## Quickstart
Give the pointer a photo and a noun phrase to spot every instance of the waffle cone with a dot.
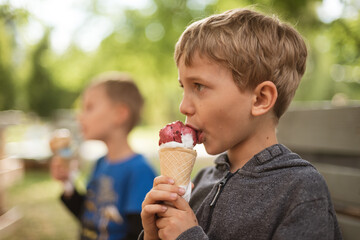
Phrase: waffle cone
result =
(177, 163)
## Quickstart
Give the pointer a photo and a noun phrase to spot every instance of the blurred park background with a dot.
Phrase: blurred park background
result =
(50, 50)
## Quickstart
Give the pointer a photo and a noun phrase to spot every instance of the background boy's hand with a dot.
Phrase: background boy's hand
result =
(58, 169)
(175, 220)
(163, 190)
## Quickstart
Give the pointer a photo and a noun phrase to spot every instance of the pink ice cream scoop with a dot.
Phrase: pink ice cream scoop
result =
(178, 132)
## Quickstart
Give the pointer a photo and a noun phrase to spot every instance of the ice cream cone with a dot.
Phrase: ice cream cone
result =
(177, 163)
(60, 146)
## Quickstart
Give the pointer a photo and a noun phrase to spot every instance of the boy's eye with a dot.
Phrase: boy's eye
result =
(198, 86)
(181, 85)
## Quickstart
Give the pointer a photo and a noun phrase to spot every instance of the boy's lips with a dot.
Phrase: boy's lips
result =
(199, 133)
(200, 137)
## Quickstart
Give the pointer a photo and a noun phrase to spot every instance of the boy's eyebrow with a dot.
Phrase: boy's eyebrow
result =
(195, 78)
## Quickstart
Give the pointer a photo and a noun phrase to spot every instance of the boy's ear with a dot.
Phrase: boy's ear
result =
(265, 95)
(122, 113)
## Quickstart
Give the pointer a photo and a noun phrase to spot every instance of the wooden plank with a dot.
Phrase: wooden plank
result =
(350, 227)
(9, 177)
(2, 202)
(11, 170)
(8, 222)
(330, 139)
(8, 118)
(343, 184)
(2, 142)
(334, 130)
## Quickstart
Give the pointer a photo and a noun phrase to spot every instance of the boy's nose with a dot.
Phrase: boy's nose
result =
(186, 106)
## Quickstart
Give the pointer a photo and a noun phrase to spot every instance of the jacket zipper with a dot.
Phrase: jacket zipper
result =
(212, 204)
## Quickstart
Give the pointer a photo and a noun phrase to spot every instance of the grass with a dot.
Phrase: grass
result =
(44, 216)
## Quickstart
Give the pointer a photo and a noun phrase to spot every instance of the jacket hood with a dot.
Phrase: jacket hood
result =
(270, 159)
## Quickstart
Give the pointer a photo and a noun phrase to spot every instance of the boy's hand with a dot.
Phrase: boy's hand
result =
(58, 169)
(163, 190)
(176, 220)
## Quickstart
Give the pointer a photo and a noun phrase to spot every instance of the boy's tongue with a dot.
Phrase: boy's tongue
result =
(178, 132)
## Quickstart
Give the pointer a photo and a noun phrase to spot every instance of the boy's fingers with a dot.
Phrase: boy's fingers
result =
(181, 204)
(163, 180)
(162, 223)
(152, 209)
(155, 196)
(170, 211)
(178, 205)
(170, 188)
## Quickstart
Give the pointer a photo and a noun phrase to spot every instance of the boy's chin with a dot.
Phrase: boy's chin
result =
(212, 150)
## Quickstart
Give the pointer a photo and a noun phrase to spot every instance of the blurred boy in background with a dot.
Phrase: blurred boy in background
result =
(120, 180)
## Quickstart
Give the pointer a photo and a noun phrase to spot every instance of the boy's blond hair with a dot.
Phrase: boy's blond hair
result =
(255, 47)
(121, 88)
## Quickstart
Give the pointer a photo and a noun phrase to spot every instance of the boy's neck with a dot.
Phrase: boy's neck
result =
(240, 154)
(118, 148)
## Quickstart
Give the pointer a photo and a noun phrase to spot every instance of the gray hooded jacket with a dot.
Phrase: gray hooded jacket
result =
(275, 195)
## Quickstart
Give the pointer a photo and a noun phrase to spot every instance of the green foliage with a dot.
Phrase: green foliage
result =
(7, 88)
(142, 43)
(41, 90)
(146, 54)
(44, 97)
(346, 36)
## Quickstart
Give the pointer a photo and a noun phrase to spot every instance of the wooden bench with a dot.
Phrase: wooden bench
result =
(11, 171)
(330, 139)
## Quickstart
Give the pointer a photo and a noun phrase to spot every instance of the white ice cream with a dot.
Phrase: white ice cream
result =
(187, 142)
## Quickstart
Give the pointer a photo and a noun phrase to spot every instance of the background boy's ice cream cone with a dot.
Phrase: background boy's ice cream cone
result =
(60, 145)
